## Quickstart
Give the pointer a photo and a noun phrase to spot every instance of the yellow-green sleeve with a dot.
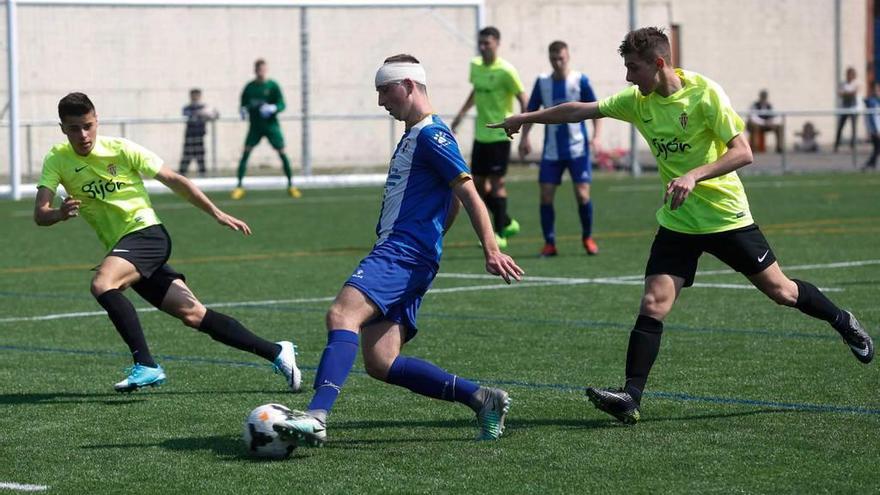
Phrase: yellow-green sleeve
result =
(143, 160)
(50, 178)
(516, 85)
(620, 106)
(725, 122)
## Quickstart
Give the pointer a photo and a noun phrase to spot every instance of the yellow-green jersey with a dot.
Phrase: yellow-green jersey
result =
(107, 182)
(495, 87)
(685, 130)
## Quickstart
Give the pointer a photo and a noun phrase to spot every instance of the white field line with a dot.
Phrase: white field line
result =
(6, 485)
(531, 282)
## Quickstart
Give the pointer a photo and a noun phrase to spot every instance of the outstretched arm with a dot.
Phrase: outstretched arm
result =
(45, 215)
(497, 263)
(560, 114)
(185, 188)
(468, 103)
(738, 155)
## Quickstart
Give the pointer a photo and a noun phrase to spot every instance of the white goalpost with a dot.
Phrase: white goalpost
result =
(306, 118)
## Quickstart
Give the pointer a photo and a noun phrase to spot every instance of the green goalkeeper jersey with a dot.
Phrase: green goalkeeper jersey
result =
(256, 94)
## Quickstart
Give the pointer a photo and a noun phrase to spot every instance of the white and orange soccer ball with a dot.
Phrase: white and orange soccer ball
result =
(261, 439)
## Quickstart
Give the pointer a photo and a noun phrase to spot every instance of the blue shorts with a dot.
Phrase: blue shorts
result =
(581, 170)
(395, 283)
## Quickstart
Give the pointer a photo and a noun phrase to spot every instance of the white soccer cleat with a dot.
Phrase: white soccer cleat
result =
(496, 405)
(285, 364)
(304, 427)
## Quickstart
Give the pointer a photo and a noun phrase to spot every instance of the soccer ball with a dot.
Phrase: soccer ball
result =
(261, 439)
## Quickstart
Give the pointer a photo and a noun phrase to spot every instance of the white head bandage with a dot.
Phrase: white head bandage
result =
(398, 71)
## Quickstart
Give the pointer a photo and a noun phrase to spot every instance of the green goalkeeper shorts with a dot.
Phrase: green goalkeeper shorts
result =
(272, 132)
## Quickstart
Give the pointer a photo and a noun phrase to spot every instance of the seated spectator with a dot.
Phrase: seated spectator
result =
(808, 136)
(761, 121)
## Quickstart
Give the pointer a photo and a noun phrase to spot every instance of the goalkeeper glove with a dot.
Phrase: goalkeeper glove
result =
(267, 110)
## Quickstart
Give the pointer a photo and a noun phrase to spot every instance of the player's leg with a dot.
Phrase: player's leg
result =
(185, 157)
(811, 301)
(581, 170)
(505, 225)
(167, 290)
(199, 154)
(660, 294)
(112, 277)
(549, 178)
(276, 138)
(344, 319)
(381, 343)
(841, 122)
(482, 159)
(136, 256)
(747, 251)
(253, 137)
(548, 217)
(671, 266)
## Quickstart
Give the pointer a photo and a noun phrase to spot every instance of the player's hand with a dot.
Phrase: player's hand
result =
(498, 263)
(243, 111)
(510, 125)
(679, 189)
(267, 110)
(69, 208)
(233, 223)
(525, 148)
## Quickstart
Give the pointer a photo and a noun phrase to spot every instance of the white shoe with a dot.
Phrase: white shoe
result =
(304, 427)
(285, 364)
(496, 405)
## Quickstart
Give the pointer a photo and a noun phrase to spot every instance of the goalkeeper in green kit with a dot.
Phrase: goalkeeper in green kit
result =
(262, 101)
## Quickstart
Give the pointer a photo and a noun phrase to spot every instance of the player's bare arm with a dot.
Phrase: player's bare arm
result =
(45, 215)
(185, 188)
(738, 155)
(468, 103)
(560, 114)
(497, 263)
(525, 148)
(451, 214)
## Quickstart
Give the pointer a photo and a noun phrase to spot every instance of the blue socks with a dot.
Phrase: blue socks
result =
(336, 362)
(586, 213)
(548, 218)
(427, 379)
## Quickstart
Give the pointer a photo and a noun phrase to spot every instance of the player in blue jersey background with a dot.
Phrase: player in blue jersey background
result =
(566, 146)
(377, 306)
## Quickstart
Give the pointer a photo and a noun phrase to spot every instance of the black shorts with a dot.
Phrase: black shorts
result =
(148, 250)
(746, 250)
(490, 158)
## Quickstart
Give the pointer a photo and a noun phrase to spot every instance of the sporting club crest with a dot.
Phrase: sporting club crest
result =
(112, 169)
(683, 120)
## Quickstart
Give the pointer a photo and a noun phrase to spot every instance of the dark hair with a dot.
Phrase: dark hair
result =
(401, 57)
(491, 31)
(646, 43)
(557, 46)
(75, 105)
(195, 91)
(259, 62)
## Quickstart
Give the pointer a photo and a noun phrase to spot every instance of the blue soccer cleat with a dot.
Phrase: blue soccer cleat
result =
(285, 364)
(140, 376)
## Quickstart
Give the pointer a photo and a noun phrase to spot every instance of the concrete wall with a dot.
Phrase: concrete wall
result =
(141, 62)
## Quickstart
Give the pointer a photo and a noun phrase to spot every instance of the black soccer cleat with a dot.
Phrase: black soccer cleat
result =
(615, 402)
(857, 338)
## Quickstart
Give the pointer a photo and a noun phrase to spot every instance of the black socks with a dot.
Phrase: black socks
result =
(229, 331)
(125, 319)
(644, 344)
